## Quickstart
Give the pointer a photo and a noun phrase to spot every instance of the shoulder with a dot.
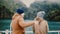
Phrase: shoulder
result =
(46, 22)
(20, 18)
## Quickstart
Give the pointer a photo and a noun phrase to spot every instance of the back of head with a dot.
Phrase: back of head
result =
(41, 14)
(18, 12)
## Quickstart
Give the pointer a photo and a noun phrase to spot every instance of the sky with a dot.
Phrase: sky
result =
(28, 2)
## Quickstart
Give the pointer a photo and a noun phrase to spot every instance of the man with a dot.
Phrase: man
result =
(42, 26)
(18, 23)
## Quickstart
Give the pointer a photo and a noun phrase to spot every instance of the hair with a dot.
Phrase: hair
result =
(41, 14)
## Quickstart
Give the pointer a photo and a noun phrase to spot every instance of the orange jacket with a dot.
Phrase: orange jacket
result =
(18, 24)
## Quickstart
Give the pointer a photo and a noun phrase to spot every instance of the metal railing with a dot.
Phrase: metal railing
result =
(7, 32)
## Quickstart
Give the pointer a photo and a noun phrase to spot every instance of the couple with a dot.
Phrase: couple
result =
(40, 26)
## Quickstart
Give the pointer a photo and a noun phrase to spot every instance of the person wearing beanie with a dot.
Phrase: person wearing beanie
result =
(18, 23)
(42, 26)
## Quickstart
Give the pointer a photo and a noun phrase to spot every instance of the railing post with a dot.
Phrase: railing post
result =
(0, 33)
(58, 32)
(6, 32)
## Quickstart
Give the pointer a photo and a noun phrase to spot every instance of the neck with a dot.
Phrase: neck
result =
(41, 19)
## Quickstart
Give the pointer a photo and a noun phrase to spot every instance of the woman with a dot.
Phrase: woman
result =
(18, 23)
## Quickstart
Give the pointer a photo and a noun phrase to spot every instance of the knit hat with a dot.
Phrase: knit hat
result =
(20, 11)
(41, 14)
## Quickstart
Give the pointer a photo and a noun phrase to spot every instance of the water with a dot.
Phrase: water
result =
(5, 24)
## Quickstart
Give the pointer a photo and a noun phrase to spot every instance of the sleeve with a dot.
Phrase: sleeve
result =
(23, 24)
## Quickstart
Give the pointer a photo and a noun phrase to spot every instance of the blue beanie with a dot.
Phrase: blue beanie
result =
(19, 11)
